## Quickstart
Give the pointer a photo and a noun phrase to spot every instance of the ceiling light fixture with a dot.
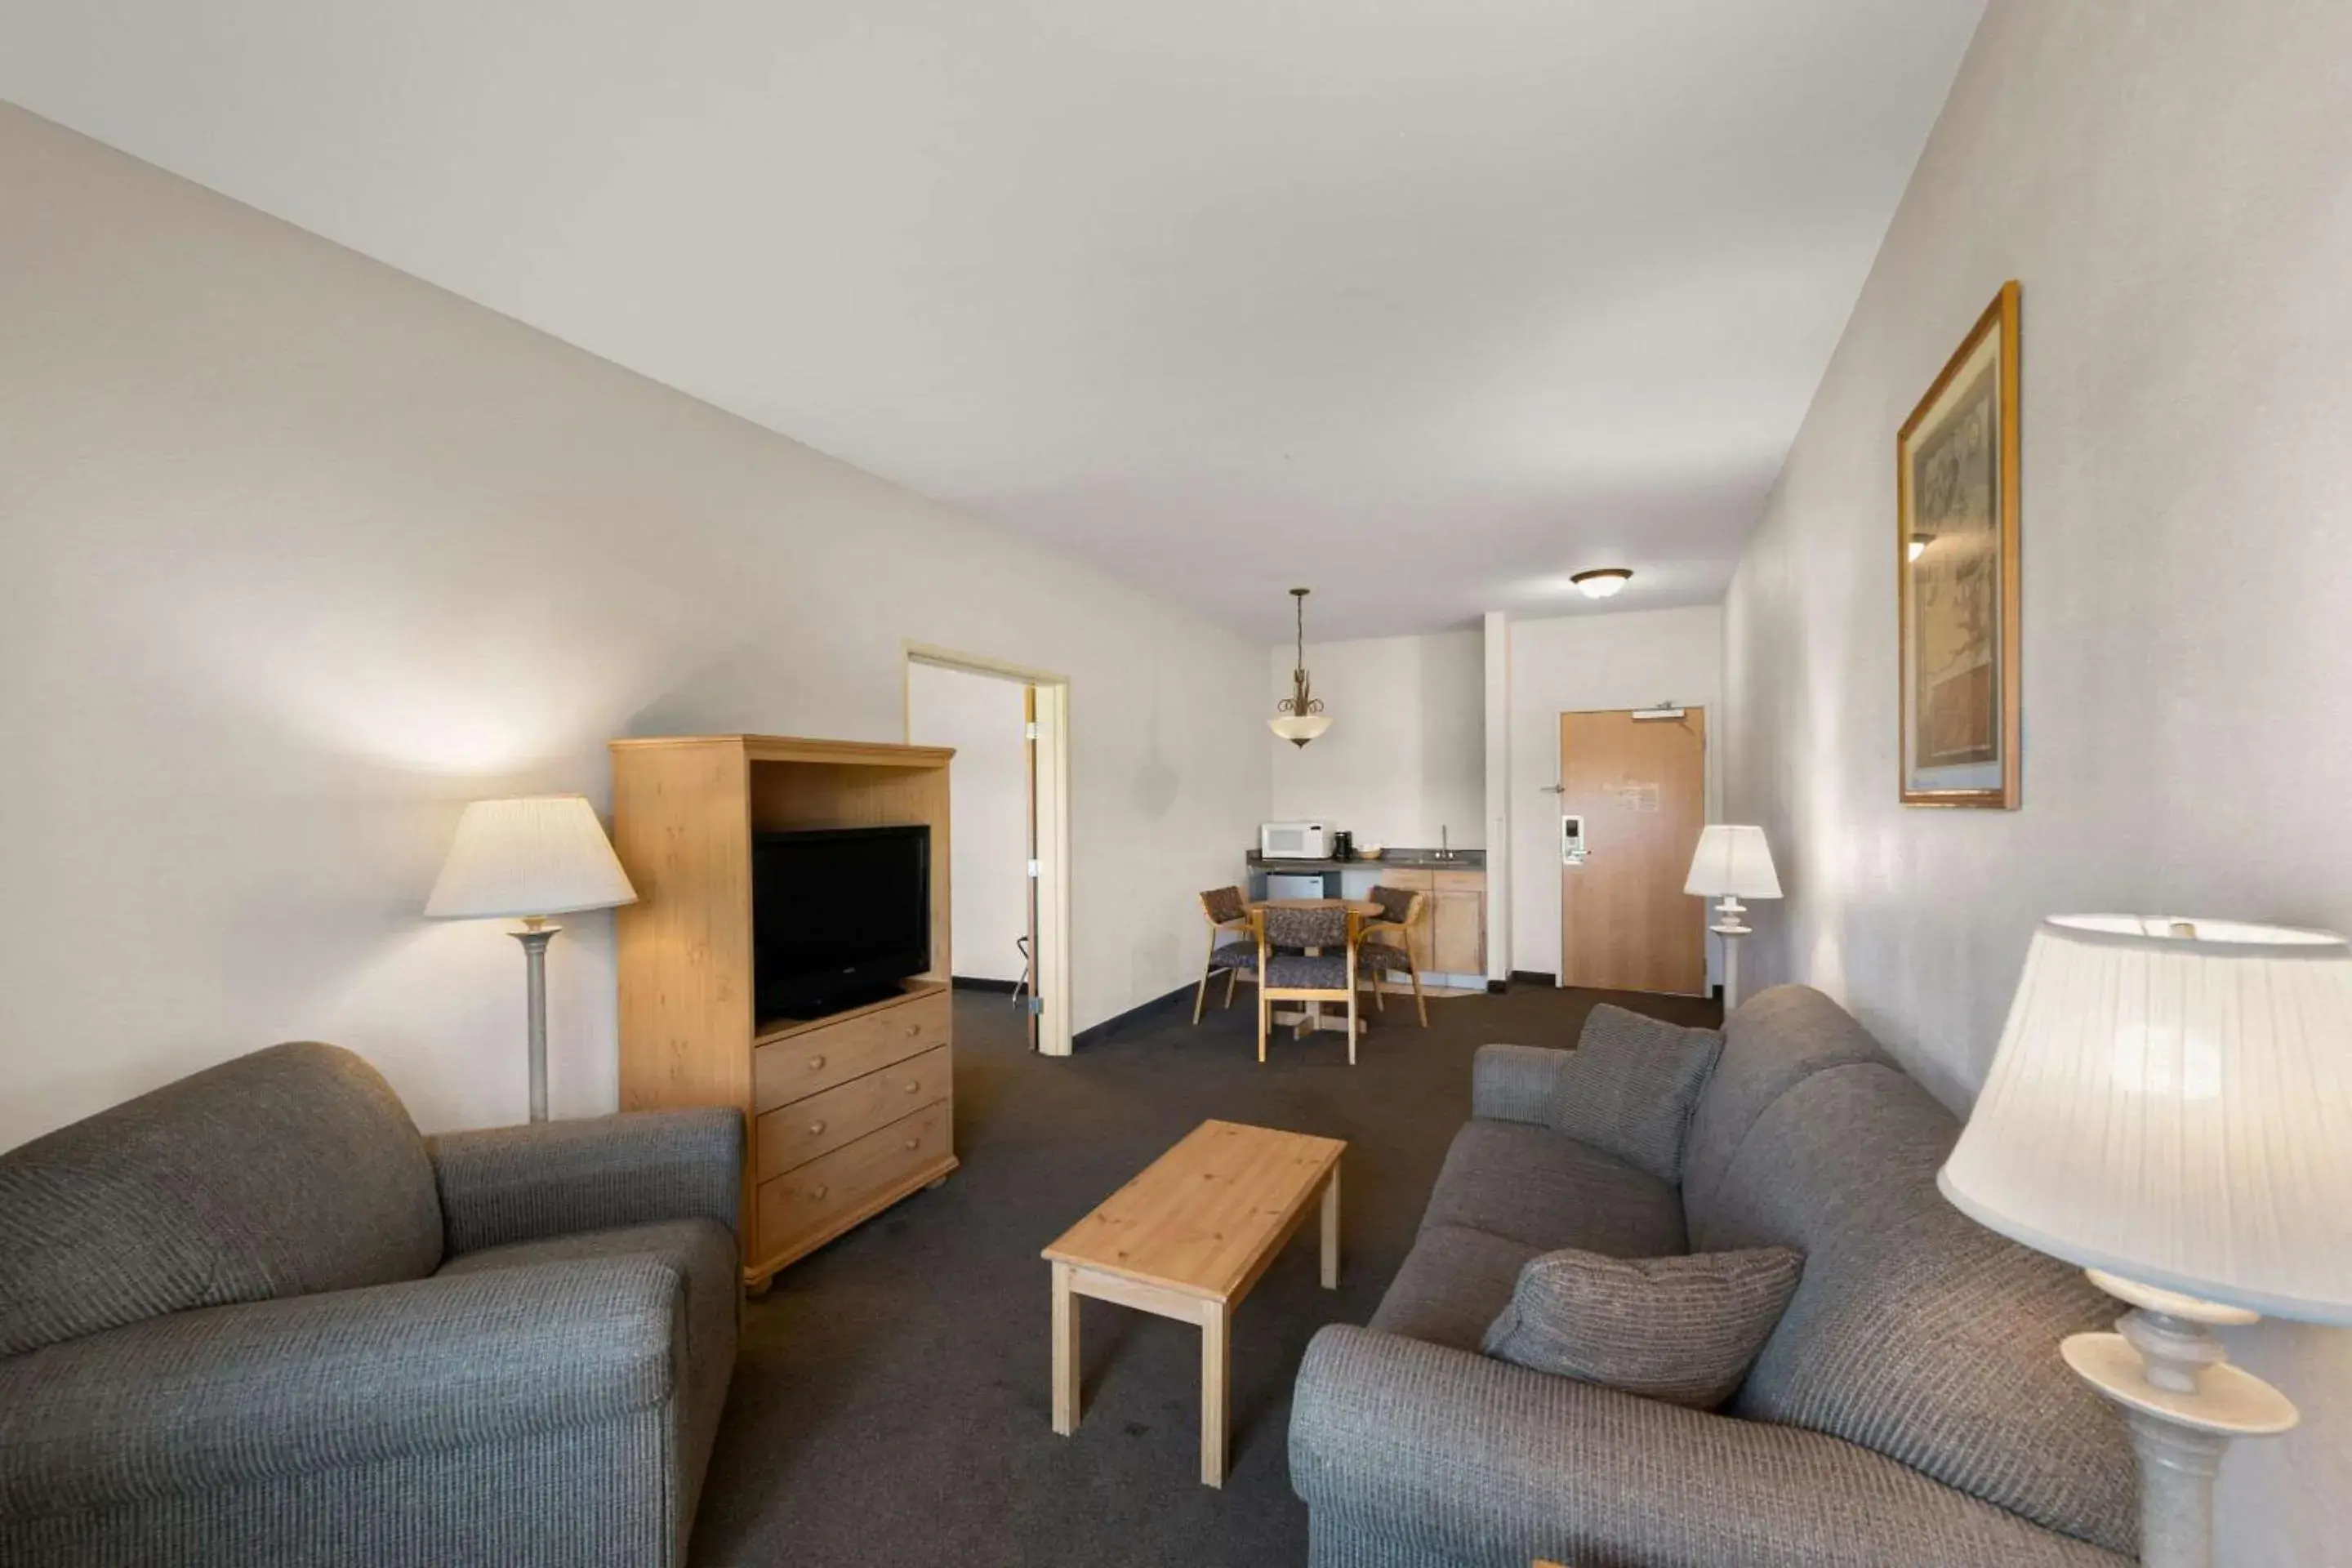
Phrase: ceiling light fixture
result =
(1602, 582)
(1919, 542)
(1299, 717)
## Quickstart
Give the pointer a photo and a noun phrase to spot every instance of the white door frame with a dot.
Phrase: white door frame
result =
(1050, 972)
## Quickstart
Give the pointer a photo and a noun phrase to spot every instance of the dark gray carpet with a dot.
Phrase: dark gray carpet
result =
(891, 1405)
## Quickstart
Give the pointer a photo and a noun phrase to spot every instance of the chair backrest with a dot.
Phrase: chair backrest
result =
(1914, 1331)
(1307, 928)
(291, 1170)
(1223, 905)
(1400, 906)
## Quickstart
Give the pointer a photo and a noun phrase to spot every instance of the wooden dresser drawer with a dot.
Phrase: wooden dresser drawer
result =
(816, 1059)
(792, 1135)
(1460, 882)
(834, 1190)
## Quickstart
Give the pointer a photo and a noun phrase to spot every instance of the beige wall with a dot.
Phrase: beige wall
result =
(302, 554)
(1405, 760)
(2172, 181)
(981, 717)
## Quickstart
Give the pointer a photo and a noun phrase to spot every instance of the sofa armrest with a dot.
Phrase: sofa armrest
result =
(230, 1396)
(1439, 1454)
(556, 1178)
(1516, 1083)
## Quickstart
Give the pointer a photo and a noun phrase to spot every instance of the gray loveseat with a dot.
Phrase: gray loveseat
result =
(253, 1318)
(1909, 1409)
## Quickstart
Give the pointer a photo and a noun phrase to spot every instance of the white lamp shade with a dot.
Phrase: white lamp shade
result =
(2175, 1109)
(1299, 728)
(520, 858)
(1732, 862)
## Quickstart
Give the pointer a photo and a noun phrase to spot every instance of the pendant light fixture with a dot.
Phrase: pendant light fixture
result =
(1299, 717)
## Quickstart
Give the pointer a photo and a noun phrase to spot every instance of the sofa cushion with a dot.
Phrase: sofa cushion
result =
(1772, 1041)
(1630, 1087)
(1453, 1283)
(1916, 1331)
(1533, 1186)
(1683, 1329)
(289, 1171)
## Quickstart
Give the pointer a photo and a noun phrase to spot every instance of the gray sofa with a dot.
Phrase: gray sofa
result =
(1909, 1409)
(253, 1318)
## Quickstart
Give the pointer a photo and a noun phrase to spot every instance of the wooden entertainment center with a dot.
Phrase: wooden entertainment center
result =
(845, 1114)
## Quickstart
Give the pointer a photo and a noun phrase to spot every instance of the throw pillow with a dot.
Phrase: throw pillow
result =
(1682, 1330)
(1630, 1087)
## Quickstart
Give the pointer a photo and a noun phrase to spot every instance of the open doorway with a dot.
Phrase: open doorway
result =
(1009, 824)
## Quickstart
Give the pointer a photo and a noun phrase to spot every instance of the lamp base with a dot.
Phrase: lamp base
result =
(535, 936)
(1731, 927)
(2183, 1402)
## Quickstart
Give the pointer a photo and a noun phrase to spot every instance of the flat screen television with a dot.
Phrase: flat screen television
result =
(839, 916)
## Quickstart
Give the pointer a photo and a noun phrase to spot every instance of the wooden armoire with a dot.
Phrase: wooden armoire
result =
(845, 1114)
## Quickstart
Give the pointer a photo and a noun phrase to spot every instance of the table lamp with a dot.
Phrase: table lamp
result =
(1732, 863)
(527, 859)
(2171, 1110)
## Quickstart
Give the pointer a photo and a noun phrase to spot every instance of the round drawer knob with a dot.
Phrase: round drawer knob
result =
(914, 1087)
(815, 1128)
(913, 1029)
(816, 1194)
(914, 1142)
(816, 1064)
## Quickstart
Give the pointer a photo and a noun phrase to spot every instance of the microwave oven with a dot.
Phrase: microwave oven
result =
(1294, 841)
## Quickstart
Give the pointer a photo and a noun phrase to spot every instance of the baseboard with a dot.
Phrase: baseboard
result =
(1176, 1001)
(1496, 987)
(1533, 977)
(977, 983)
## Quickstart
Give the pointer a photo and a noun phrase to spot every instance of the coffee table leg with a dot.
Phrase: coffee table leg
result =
(1066, 1353)
(1331, 1230)
(1216, 1381)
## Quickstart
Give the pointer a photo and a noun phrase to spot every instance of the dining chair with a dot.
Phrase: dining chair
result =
(1385, 945)
(1229, 918)
(1325, 971)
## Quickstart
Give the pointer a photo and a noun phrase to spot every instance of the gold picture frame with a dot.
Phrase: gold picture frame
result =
(1957, 577)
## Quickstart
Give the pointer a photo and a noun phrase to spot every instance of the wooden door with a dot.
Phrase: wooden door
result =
(1625, 923)
(1029, 1007)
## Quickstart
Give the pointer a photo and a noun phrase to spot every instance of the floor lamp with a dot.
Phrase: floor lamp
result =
(2167, 1112)
(1731, 863)
(527, 859)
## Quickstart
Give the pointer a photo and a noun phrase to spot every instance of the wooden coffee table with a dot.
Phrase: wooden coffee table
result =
(1187, 1239)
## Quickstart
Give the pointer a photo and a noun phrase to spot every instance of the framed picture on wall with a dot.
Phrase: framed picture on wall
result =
(1957, 564)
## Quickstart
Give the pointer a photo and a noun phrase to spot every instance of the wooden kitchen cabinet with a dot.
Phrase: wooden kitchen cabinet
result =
(1458, 923)
(1450, 938)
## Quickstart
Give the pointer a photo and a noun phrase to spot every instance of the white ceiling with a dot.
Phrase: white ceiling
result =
(1426, 303)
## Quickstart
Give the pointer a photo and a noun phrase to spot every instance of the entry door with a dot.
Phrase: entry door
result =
(1029, 1007)
(1640, 784)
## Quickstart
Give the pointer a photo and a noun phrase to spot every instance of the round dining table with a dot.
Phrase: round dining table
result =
(1314, 1018)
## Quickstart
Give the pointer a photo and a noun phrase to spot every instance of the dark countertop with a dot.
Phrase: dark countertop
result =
(1391, 860)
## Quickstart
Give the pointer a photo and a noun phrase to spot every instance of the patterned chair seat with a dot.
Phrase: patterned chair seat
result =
(1298, 971)
(1381, 957)
(1241, 956)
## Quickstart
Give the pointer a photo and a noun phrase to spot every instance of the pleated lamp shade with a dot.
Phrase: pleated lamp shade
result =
(2172, 1103)
(1732, 861)
(520, 858)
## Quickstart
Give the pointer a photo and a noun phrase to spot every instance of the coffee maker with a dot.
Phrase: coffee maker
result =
(1343, 845)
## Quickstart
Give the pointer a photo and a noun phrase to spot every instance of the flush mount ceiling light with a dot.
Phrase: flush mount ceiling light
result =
(1299, 717)
(1602, 582)
(1919, 542)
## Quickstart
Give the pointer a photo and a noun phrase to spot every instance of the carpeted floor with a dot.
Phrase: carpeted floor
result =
(890, 1404)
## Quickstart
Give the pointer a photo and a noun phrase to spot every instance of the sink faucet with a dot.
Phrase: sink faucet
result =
(1444, 843)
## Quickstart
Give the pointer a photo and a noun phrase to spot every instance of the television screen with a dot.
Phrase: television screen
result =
(838, 916)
